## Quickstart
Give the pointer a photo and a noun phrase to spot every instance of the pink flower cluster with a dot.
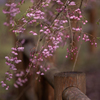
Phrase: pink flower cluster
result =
(13, 11)
(38, 14)
(19, 30)
(9, 76)
(3, 85)
(11, 61)
(46, 3)
(46, 53)
(20, 74)
(71, 52)
(20, 82)
(44, 68)
(33, 33)
(86, 38)
(77, 15)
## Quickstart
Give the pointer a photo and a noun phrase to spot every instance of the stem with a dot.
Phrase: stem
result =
(73, 68)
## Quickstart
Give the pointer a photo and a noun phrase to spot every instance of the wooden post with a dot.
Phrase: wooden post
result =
(91, 10)
(49, 74)
(68, 79)
(44, 88)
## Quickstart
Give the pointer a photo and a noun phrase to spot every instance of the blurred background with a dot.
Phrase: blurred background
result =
(89, 57)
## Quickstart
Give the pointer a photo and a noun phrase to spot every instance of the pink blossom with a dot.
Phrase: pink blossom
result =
(33, 33)
(20, 48)
(66, 56)
(48, 68)
(14, 53)
(15, 85)
(95, 44)
(41, 30)
(7, 87)
(6, 57)
(42, 73)
(17, 61)
(72, 3)
(6, 24)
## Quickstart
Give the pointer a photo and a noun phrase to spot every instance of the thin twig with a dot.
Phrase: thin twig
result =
(81, 4)
(73, 68)
(24, 90)
(77, 53)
